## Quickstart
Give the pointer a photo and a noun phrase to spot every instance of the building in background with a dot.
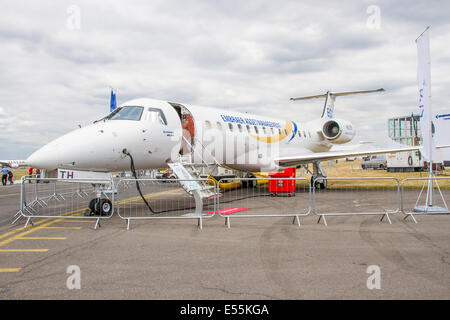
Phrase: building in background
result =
(406, 131)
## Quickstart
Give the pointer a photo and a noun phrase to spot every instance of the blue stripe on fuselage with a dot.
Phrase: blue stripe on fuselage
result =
(294, 131)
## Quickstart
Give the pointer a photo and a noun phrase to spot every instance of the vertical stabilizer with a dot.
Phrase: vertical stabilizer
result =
(328, 107)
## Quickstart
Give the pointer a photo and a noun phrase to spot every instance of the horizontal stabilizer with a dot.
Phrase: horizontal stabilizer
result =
(337, 94)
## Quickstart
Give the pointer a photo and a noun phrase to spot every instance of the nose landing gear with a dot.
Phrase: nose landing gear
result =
(99, 207)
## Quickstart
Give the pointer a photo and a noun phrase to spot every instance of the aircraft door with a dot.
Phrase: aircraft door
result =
(187, 124)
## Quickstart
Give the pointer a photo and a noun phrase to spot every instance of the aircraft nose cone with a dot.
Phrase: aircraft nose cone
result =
(45, 157)
(86, 148)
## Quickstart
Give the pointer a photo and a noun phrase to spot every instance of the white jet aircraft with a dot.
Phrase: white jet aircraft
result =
(152, 133)
(13, 163)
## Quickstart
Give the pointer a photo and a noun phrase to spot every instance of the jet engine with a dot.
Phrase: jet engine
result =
(338, 131)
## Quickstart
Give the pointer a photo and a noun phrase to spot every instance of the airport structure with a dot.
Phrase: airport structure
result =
(406, 130)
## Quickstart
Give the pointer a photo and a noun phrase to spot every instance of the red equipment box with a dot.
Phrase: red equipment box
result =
(283, 186)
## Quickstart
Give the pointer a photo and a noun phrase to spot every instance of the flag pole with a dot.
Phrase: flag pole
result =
(428, 27)
(424, 82)
(430, 132)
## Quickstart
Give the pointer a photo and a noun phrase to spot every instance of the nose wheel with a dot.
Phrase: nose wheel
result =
(100, 207)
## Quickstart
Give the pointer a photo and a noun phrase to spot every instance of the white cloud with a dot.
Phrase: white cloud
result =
(244, 56)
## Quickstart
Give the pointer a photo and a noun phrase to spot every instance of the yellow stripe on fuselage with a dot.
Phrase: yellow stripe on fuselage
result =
(277, 137)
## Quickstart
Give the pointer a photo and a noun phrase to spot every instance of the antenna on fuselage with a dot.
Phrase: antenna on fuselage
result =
(330, 97)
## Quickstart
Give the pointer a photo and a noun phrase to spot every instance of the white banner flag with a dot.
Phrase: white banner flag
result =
(424, 82)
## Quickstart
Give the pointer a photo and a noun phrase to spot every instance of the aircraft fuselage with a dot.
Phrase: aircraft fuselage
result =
(156, 132)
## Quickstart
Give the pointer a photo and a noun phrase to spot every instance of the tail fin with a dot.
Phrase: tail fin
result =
(330, 97)
(328, 107)
(112, 101)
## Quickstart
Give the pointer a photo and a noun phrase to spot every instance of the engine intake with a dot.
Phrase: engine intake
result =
(331, 130)
(338, 131)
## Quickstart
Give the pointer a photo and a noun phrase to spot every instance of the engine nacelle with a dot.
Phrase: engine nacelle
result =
(338, 131)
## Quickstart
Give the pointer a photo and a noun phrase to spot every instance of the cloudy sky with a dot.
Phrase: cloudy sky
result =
(59, 58)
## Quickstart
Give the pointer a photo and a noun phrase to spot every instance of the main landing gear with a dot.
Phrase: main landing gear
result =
(249, 183)
(319, 177)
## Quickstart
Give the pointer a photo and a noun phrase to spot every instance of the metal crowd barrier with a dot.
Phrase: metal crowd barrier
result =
(165, 199)
(341, 191)
(53, 198)
(414, 193)
(295, 201)
(227, 198)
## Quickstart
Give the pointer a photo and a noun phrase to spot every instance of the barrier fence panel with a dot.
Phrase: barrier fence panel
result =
(260, 197)
(166, 199)
(347, 196)
(74, 199)
(229, 198)
(414, 195)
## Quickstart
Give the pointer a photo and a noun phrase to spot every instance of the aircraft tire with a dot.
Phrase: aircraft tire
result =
(319, 185)
(92, 206)
(105, 207)
(250, 183)
(95, 206)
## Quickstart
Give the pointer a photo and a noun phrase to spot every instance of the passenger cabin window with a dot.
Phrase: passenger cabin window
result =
(248, 128)
(285, 132)
(264, 130)
(240, 127)
(126, 113)
(230, 125)
(207, 125)
(279, 132)
(256, 129)
(156, 116)
(219, 125)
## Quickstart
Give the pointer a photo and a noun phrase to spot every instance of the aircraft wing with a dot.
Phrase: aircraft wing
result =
(333, 155)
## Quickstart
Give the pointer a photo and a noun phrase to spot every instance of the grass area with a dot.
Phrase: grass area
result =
(19, 173)
(353, 169)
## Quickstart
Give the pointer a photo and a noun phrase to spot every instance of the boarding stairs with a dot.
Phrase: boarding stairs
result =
(200, 170)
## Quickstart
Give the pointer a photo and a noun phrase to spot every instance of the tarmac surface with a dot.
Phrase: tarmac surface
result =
(257, 258)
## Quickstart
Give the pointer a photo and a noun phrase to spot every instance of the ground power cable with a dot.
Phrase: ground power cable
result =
(133, 171)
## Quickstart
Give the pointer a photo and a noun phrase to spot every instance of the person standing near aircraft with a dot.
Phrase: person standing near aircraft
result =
(30, 174)
(4, 175)
(188, 133)
(10, 177)
(38, 175)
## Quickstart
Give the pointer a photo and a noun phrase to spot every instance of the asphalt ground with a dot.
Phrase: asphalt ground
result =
(257, 258)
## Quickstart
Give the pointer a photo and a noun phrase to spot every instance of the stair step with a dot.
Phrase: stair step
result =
(206, 190)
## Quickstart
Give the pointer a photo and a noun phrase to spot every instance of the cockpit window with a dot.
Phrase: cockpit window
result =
(126, 113)
(156, 116)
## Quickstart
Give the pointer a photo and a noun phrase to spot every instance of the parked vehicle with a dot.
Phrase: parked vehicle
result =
(376, 161)
(406, 162)
(165, 174)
